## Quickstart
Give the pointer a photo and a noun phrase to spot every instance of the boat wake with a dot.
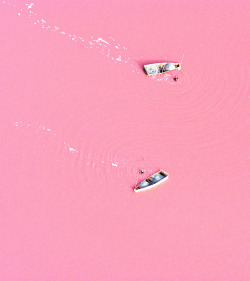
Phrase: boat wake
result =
(109, 47)
(81, 164)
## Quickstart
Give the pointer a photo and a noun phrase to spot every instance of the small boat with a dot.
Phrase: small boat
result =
(159, 68)
(152, 181)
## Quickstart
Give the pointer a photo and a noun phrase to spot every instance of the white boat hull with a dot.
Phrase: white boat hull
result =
(152, 182)
(160, 68)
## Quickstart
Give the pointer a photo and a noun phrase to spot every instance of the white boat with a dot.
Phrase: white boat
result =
(152, 181)
(159, 68)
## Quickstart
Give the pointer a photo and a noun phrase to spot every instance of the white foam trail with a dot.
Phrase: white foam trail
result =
(93, 160)
(102, 40)
(108, 46)
(29, 6)
(21, 124)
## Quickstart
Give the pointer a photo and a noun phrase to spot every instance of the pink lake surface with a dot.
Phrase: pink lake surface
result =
(79, 119)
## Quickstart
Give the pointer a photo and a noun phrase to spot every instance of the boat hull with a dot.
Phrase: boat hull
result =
(160, 68)
(152, 181)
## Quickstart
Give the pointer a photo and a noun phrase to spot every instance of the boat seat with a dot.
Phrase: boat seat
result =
(144, 183)
(157, 177)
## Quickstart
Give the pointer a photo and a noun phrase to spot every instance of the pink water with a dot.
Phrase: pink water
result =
(79, 119)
